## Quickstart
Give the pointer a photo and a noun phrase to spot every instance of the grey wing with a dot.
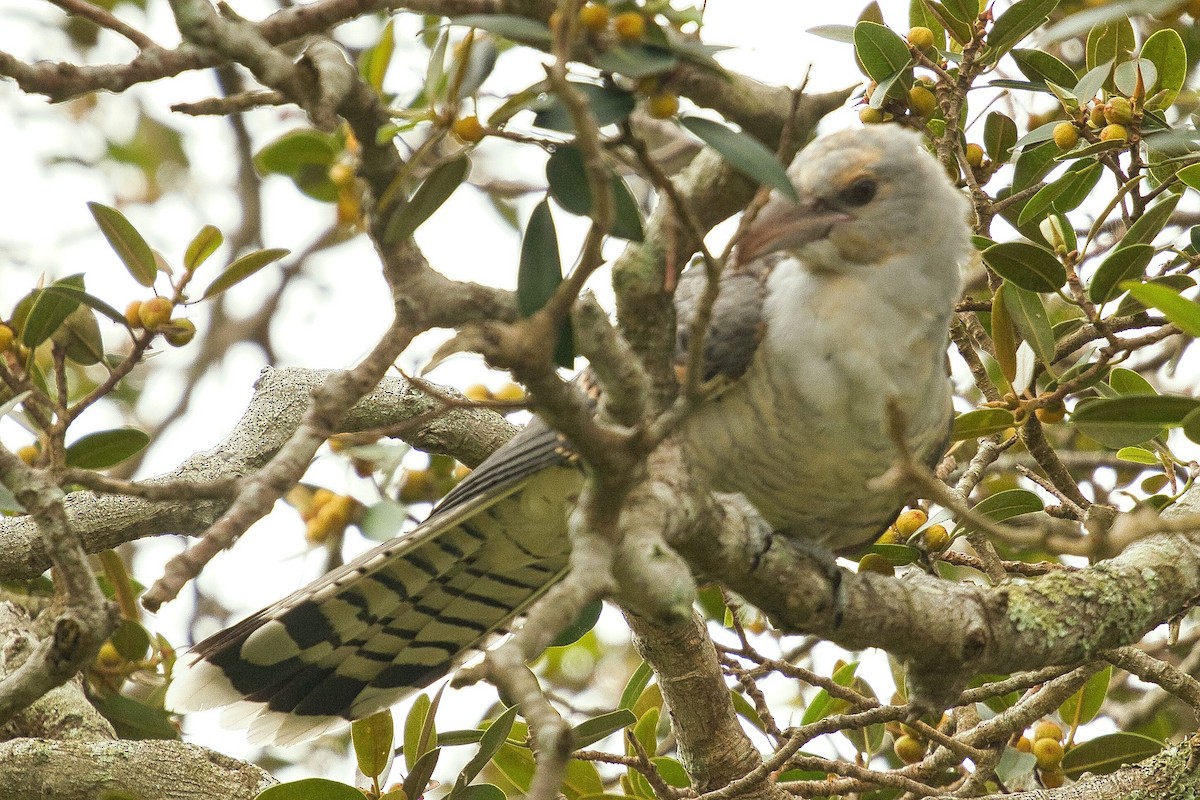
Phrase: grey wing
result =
(402, 615)
(736, 325)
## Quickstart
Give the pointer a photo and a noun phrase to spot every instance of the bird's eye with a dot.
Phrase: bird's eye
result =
(859, 193)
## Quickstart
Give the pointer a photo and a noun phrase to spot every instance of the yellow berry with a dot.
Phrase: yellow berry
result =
(663, 105)
(1052, 778)
(155, 312)
(1048, 729)
(343, 508)
(920, 37)
(133, 314)
(907, 523)
(890, 536)
(1048, 752)
(1114, 133)
(417, 486)
(180, 332)
(630, 25)
(909, 750)
(108, 659)
(477, 392)
(6, 337)
(1066, 135)
(1052, 413)
(1118, 111)
(320, 498)
(468, 129)
(29, 453)
(870, 116)
(593, 17)
(936, 538)
(921, 101)
(974, 154)
(509, 393)
(1024, 745)
(341, 174)
(873, 562)
(1096, 116)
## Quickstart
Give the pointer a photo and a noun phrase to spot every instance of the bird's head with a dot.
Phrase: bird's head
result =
(867, 196)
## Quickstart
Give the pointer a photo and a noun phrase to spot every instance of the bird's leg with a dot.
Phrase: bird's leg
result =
(813, 551)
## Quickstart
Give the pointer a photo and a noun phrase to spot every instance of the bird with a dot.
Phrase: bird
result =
(836, 311)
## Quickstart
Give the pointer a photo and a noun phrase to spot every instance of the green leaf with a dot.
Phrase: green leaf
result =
(959, 30)
(414, 727)
(963, 10)
(744, 153)
(1130, 419)
(203, 245)
(134, 719)
(310, 788)
(510, 26)
(569, 186)
(131, 640)
(746, 711)
(882, 52)
(243, 268)
(1190, 176)
(1110, 41)
(1140, 455)
(1082, 707)
(1191, 429)
(1063, 194)
(636, 684)
(897, 554)
(1093, 81)
(539, 274)
(981, 422)
(493, 739)
(105, 448)
(583, 623)
(42, 312)
(597, 728)
(1015, 766)
(672, 772)
(1033, 164)
(1005, 505)
(516, 764)
(1151, 222)
(304, 155)
(70, 289)
(824, 705)
(837, 33)
(428, 198)
(416, 781)
(1166, 51)
(1126, 381)
(1184, 313)
(999, 136)
(372, 738)
(1118, 267)
(481, 791)
(1029, 315)
(374, 62)
(1020, 20)
(1027, 265)
(126, 242)
(1108, 753)
(609, 105)
(637, 60)
(1127, 73)
(1040, 67)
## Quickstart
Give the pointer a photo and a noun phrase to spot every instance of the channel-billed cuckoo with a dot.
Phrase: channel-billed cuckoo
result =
(840, 306)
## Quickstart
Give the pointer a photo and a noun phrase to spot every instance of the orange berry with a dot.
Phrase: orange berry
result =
(594, 17)
(29, 453)
(155, 312)
(663, 105)
(1051, 414)
(509, 393)
(630, 25)
(1024, 745)
(468, 129)
(909, 522)
(477, 392)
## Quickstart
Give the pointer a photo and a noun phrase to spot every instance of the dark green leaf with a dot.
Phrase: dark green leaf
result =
(1111, 41)
(1041, 67)
(1020, 20)
(481, 791)
(582, 624)
(637, 60)
(672, 772)
(428, 198)
(999, 136)
(746, 711)
(43, 312)
(1184, 313)
(1108, 753)
(1151, 222)
(489, 745)
(455, 738)
(569, 187)
(608, 105)
(597, 728)
(981, 422)
(133, 719)
(310, 789)
(1190, 176)
(105, 448)
(1120, 265)
(539, 274)
(516, 764)
(963, 10)
(636, 684)
(1029, 315)
(1063, 194)
(305, 156)
(1166, 51)
(898, 554)
(72, 291)
(744, 153)
(203, 245)
(372, 739)
(416, 781)
(1082, 707)
(1005, 505)
(1033, 164)
(882, 52)
(959, 30)
(243, 268)
(131, 640)
(1191, 427)
(1027, 265)
(1130, 419)
(127, 243)
(510, 26)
